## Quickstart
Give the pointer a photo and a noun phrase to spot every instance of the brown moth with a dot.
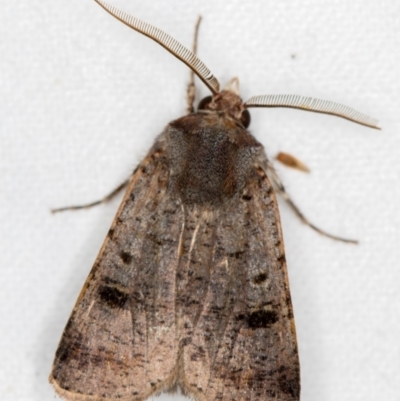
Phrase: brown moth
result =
(190, 287)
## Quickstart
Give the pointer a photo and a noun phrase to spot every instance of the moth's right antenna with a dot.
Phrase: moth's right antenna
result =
(168, 42)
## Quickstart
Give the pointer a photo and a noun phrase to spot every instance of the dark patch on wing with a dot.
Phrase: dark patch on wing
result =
(260, 278)
(282, 258)
(200, 354)
(112, 296)
(262, 319)
(237, 254)
(63, 352)
(289, 385)
(126, 257)
(73, 349)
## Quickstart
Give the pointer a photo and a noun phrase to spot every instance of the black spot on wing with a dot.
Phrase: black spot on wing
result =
(126, 257)
(262, 319)
(112, 296)
(260, 278)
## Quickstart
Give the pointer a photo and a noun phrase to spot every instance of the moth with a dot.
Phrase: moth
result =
(190, 287)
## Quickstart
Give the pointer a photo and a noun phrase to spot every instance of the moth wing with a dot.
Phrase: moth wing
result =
(120, 341)
(240, 338)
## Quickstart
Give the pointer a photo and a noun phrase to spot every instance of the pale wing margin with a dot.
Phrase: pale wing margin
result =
(120, 343)
(240, 341)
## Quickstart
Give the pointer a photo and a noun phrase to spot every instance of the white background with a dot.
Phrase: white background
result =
(82, 97)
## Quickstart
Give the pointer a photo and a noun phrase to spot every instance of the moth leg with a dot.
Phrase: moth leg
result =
(98, 202)
(191, 88)
(290, 161)
(280, 189)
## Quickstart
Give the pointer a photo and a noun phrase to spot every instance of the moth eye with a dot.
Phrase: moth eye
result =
(204, 102)
(245, 118)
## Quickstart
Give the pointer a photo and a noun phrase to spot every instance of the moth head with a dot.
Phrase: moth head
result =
(228, 102)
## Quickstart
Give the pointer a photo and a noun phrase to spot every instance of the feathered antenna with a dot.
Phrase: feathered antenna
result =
(168, 42)
(201, 70)
(311, 104)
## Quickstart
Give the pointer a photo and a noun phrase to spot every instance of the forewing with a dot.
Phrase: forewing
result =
(120, 341)
(239, 339)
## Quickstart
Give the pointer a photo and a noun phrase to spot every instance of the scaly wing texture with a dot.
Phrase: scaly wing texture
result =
(233, 303)
(184, 293)
(120, 342)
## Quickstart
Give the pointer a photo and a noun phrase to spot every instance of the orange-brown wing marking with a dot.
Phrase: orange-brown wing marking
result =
(238, 335)
(120, 341)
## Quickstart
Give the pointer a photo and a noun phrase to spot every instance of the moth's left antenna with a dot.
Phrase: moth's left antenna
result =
(168, 42)
(311, 104)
